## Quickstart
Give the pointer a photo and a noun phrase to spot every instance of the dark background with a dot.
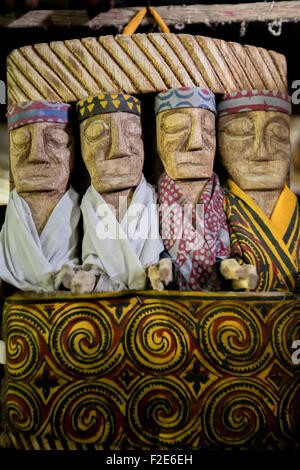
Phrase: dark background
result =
(257, 33)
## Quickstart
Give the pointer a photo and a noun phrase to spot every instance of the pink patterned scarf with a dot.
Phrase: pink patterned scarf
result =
(194, 236)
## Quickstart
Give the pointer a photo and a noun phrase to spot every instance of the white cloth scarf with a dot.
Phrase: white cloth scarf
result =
(121, 251)
(32, 262)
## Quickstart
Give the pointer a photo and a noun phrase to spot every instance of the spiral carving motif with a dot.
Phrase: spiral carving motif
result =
(22, 344)
(159, 411)
(236, 413)
(285, 331)
(81, 340)
(232, 338)
(86, 413)
(290, 412)
(20, 407)
(156, 339)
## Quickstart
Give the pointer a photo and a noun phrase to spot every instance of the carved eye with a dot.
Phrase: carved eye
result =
(239, 127)
(280, 131)
(208, 123)
(57, 138)
(132, 127)
(176, 122)
(21, 137)
(96, 130)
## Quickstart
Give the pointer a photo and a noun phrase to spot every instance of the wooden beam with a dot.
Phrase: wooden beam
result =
(173, 15)
(45, 19)
(208, 14)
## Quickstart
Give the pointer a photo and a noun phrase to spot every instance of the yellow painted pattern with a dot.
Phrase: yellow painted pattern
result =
(149, 371)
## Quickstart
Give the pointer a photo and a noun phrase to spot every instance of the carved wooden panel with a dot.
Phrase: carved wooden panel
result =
(73, 69)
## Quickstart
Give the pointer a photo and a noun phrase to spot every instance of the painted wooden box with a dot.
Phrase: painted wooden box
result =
(145, 370)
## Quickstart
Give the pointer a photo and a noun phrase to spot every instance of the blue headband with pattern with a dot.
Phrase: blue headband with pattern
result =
(186, 97)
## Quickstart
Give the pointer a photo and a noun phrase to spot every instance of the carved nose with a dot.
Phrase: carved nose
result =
(38, 152)
(119, 149)
(195, 141)
(261, 154)
(119, 146)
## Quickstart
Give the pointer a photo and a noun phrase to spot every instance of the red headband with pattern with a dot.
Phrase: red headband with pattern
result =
(38, 111)
(255, 100)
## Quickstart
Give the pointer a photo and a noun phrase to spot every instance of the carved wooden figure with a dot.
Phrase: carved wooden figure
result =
(193, 223)
(121, 229)
(40, 230)
(254, 147)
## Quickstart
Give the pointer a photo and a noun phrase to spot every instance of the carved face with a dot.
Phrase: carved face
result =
(255, 148)
(186, 142)
(41, 156)
(113, 151)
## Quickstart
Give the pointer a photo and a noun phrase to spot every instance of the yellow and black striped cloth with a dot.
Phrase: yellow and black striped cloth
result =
(272, 245)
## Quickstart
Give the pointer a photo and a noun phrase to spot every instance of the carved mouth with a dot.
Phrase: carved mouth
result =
(39, 176)
(118, 167)
(193, 159)
(263, 166)
(34, 178)
(191, 164)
